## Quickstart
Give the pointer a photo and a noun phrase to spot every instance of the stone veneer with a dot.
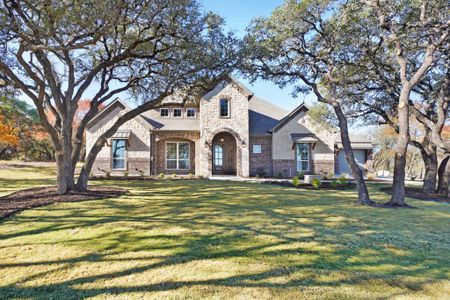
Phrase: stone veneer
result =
(237, 124)
(138, 148)
(261, 162)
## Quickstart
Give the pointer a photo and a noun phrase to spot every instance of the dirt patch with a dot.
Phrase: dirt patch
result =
(41, 196)
(323, 186)
(417, 193)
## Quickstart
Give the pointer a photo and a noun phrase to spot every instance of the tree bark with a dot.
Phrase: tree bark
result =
(431, 167)
(398, 186)
(65, 173)
(444, 176)
(363, 193)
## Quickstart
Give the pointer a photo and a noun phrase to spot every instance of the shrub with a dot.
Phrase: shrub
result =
(334, 183)
(342, 180)
(279, 175)
(301, 175)
(191, 175)
(260, 172)
(316, 183)
(125, 174)
(161, 175)
(200, 177)
(295, 181)
(174, 175)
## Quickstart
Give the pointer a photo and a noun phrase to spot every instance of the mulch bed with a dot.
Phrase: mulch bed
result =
(41, 196)
(417, 193)
(323, 186)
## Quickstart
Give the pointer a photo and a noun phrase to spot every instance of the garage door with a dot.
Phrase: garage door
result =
(343, 168)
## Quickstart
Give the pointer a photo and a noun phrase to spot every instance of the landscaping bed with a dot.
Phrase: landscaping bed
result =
(417, 193)
(41, 196)
(325, 185)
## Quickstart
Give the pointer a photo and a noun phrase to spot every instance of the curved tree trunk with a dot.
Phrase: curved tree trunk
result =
(444, 176)
(363, 193)
(431, 170)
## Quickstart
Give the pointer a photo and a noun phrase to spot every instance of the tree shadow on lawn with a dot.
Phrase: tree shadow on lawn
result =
(302, 239)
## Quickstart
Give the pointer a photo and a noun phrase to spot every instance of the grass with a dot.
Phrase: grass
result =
(221, 240)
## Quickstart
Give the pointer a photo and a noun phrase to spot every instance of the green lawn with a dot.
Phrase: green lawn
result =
(221, 240)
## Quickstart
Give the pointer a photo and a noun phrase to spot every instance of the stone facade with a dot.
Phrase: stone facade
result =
(138, 145)
(261, 163)
(237, 125)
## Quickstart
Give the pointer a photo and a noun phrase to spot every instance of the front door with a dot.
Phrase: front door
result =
(224, 154)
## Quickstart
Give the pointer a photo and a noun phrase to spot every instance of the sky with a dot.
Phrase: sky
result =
(237, 15)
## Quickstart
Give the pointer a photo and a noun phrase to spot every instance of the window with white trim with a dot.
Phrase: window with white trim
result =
(302, 154)
(177, 155)
(177, 113)
(190, 112)
(118, 152)
(257, 149)
(164, 112)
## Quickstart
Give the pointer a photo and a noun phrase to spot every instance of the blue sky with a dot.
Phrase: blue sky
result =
(238, 15)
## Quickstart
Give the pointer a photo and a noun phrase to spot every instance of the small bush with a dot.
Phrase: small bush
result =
(260, 172)
(279, 175)
(342, 180)
(125, 174)
(316, 183)
(301, 175)
(161, 175)
(334, 183)
(200, 177)
(174, 175)
(295, 181)
(371, 176)
(191, 175)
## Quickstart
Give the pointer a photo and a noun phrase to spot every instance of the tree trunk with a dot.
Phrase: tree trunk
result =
(431, 164)
(363, 193)
(65, 173)
(398, 186)
(444, 176)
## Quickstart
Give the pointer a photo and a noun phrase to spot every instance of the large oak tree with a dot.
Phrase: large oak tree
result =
(55, 52)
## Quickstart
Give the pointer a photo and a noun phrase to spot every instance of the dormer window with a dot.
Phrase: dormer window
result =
(177, 113)
(190, 112)
(224, 108)
(164, 112)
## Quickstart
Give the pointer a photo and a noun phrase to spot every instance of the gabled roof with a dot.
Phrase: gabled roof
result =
(301, 108)
(263, 116)
(357, 142)
(110, 107)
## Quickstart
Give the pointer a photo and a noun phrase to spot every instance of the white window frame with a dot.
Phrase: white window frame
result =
(160, 112)
(177, 109)
(299, 162)
(177, 159)
(124, 158)
(257, 149)
(191, 109)
(228, 108)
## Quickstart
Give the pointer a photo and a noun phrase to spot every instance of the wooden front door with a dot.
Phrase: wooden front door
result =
(224, 154)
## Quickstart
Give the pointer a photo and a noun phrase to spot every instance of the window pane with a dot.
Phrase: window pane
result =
(164, 112)
(224, 108)
(256, 148)
(302, 152)
(118, 148)
(304, 165)
(171, 151)
(177, 112)
(183, 164)
(183, 151)
(190, 112)
(118, 163)
(218, 155)
(171, 164)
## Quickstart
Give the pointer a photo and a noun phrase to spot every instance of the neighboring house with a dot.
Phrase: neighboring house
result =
(229, 132)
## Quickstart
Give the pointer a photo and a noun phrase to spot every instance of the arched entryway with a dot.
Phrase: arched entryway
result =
(224, 154)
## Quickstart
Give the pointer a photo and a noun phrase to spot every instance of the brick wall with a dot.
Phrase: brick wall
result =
(261, 162)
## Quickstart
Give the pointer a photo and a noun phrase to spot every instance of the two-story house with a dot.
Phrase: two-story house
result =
(229, 132)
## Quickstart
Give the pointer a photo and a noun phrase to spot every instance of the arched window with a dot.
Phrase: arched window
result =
(224, 108)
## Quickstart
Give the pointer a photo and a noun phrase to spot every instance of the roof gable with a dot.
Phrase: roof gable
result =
(299, 109)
